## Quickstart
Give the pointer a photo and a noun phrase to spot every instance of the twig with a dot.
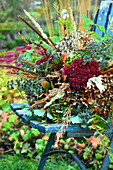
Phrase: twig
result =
(22, 61)
(34, 29)
(38, 45)
(5, 65)
(23, 38)
(51, 41)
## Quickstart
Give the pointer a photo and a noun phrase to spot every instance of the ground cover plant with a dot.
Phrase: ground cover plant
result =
(70, 82)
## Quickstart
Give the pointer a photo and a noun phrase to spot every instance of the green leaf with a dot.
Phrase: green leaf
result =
(12, 118)
(96, 36)
(59, 21)
(24, 150)
(99, 156)
(45, 84)
(101, 28)
(35, 132)
(25, 137)
(7, 125)
(87, 20)
(2, 102)
(76, 119)
(15, 135)
(6, 107)
(67, 23)
(49, 116)
(39, 112)
(52, 86)
(56, 38)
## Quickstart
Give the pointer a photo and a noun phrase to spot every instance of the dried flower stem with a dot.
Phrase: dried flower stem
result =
(34, 29)
(108, 71)
(74, 27)
(23, 38)
(65, 121)
(39, 28)
(25, 75)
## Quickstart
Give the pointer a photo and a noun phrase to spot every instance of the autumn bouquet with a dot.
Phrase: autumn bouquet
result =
(68, 79)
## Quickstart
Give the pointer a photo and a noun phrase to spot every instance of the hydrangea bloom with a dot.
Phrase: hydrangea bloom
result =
(78, 74)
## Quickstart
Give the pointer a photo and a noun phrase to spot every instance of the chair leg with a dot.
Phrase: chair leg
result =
(47, 149)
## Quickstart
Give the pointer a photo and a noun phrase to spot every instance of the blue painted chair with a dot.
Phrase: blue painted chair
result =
(104, 17)
(53, 129)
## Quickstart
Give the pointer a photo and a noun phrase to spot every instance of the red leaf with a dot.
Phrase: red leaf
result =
(64, 56)
(45, 84)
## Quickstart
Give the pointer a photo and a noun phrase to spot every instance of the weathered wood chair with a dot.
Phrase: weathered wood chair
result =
(104, 17)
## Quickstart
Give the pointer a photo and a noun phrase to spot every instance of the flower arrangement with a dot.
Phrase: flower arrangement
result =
(68, 79)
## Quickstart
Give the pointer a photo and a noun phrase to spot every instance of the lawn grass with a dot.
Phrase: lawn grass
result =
(15, 162)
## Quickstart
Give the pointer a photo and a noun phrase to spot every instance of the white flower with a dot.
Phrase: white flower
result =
(64, 11)
(97, 81)
(65, 16)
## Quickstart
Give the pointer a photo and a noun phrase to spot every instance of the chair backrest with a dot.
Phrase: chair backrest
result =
(104, 17)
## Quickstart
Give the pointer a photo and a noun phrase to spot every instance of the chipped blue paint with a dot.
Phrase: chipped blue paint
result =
(106, 9)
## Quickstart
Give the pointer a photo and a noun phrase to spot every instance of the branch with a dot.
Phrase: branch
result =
(34, 29)
(5, 65)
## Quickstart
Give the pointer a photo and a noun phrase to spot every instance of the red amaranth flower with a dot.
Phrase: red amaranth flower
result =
(78, 74)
